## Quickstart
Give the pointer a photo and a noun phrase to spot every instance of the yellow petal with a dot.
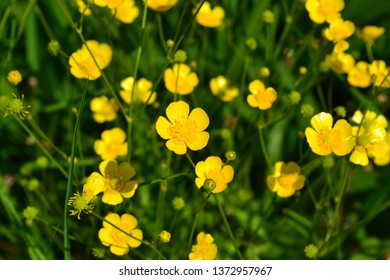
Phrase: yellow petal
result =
(359, 156)
(119, 248)
(162, 127)
(177, 110)
(129, 189)
(199, 116)
(252, 101)
(107, 167)
(178, 147)
(199, 141)
(322, 121)
(112, 197)
(112, 218)
(228, 173)
(132, 242)
(315, 142)
(105, 237)
(126, 170)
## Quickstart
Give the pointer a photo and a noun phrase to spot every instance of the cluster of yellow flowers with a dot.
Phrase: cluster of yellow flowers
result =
(361, 73)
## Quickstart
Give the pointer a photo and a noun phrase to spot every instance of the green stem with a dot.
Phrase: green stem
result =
(196, 221)
(151, 182)
(135, 76)
(264, 148)
(40, 145)
(190, 160)
(69, 183)
(226, 223)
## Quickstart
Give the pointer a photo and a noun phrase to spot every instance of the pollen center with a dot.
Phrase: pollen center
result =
(183, 130)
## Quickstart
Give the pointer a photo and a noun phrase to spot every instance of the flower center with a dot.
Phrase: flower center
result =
(288, 180)
(183, 130)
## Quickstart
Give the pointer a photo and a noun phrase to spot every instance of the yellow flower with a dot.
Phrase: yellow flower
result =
(370, 137)
(220, 87)
(340, 62)
(285, 179)
(112, 144)
(14, 77)
(324, 10)
(359, 75)
(339, 29)
(384, 159)
(183, 129)
(209, 17)
(164, 236)
(83, 8)
(379, 71)
(143, 90)
(118, 241)
(114, 181)
(161, 5)
(205, 248)
(104, 109)
(180, 79)
(126, 12)
(112, 4)
(324, 139)
(340, 46)
(82, 64)
(370, 33)
(260, 96)
(213, 168)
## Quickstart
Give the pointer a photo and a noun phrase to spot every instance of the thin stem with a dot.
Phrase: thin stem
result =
(264, 148)
(190, 160)
(151, 182)
(196, 221)
(226, 223)
(69, 183)
(135, 76)
(40, 145)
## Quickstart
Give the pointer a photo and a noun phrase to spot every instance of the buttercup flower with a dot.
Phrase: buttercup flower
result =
(379, 73)
(370, 33)
(118, 241)
(180, 79)
(260, 96)
(384, 159)
(103, 109)
(83, 8)
(112, 4)
(126, 12)
(114, 181)
(213, 169)
(183, 128)
(209, 17)
(359, 75)
(164, 236)
(323, 139)
(82, 64)
(205, 248)
(370, 137)
(340, 62)
(112, 144)
(143, 90)
(220, 87)
(14, 77)
(339, 29)
(324, 10)
(285, 179)
(161, 5)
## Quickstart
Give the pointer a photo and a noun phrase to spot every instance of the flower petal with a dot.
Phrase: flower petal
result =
(199, 116)
(129, 189)
(126, 170)
(112, 197)
(177, 110)
(162, 128)
(105, 237)
(176, 146)
(227, 173)
(132, 242)
(322, 120)
(199, 141)
(107, 167)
